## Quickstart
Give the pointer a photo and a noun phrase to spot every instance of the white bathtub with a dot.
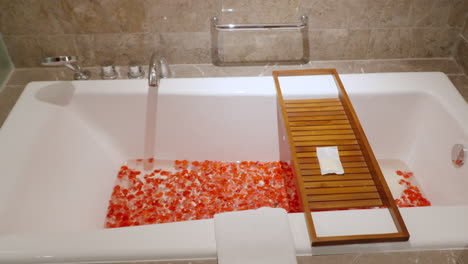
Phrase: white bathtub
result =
(63, 143)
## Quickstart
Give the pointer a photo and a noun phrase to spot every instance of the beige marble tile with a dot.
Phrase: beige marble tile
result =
(107, 16)
(250, 46)
(465, 29)
(461, 82)
(117, 49)
(338, 14)
(429, 13)
(28, 50)
(390, 43)
(447, 66)
(411, 43)
(433, 42)
(395, 13)
(190, 47)
(180, 15)
(457, 13)
(326, 259)
(336, 44)
(35, 17)
(462, 55)
(260, 11)
(8, 97)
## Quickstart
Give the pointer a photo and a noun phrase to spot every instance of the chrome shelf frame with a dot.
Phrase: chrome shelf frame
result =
(216, 59)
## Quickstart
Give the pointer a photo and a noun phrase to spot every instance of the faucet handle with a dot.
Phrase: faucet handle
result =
(135, 71)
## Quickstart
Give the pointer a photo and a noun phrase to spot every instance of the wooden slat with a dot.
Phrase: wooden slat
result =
(314, 125)
(314, 109)
(318, 113)
(313, 132)
(347, 170)
(321, 143)
(344, 197)
(323, 137)
(330, 184)
(340, 148)
(345, 165)
(343, 159)
(324, 127)
(345, 204)
(343, 153)
(317, 118)
(344, 177)
(361, 189)
(306, 101)
(299, 105)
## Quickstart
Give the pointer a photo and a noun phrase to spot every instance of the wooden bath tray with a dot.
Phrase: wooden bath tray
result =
(309, 123)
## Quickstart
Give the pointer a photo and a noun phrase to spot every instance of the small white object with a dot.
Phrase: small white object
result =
(261, 236)
(329, 160)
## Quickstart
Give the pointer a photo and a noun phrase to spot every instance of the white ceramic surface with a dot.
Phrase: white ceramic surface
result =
(63, 143)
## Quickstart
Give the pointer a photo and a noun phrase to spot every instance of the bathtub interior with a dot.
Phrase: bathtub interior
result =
(74, 150)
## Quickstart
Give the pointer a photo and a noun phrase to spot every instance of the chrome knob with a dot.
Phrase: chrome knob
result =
(135, 72)
(108, 72)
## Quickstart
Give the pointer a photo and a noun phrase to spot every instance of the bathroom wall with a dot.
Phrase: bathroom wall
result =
(461, 53)
(5, 64)
(121, 31)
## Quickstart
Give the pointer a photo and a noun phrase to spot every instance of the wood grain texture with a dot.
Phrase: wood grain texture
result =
(313, 123)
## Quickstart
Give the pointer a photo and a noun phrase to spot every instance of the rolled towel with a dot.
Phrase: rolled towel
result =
(261, 236)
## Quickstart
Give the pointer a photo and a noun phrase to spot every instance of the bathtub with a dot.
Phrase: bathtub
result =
(63, 143)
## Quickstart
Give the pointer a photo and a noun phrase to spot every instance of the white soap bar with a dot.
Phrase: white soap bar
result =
(329, 160)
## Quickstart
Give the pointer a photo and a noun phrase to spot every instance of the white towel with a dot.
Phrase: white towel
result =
(261, 236)
(329, 160)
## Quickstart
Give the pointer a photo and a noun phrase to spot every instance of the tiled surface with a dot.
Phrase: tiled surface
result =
(8, 97)
(339, 29)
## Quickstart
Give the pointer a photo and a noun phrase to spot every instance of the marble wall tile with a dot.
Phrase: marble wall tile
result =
(36, 17)
(462, 55)
(465, 31)
(186, 47)
(180, 15)
(259, 11)
(337, 14)
(430, 13)
(107, 16)
(433, 42)
(390, 43)
(395, 13)
(338, 44)
(411, 43)
(118, 49)
(457, 13)
(28, 50)
(8, 97)
(249, 46)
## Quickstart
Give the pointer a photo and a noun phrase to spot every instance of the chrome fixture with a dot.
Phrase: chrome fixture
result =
(108, 72)
(216, 51)
(158, 68)
(70, 63)
(459, 153)
(135, 71)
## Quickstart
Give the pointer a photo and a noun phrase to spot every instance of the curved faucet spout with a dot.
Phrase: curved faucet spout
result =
(158, 68)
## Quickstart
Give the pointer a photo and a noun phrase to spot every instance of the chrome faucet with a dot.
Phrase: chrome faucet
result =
(158, 68)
